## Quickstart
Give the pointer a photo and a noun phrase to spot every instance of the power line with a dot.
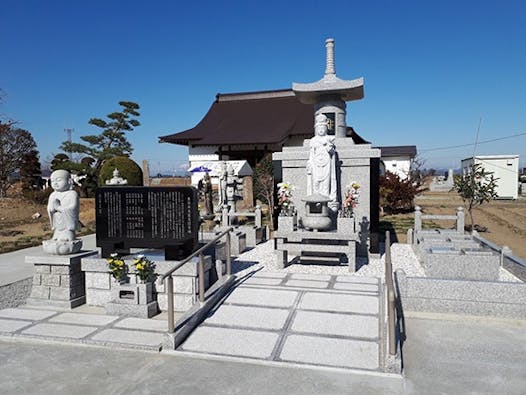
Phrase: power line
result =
(477, 138)
(473, 144)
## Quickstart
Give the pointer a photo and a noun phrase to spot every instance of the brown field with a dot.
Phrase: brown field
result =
(18, 230)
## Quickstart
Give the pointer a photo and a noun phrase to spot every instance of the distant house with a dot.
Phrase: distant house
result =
(504, 167)
(397, 160)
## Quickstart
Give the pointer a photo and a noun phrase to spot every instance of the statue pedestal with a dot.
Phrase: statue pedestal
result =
(56, 247)
(58, 280)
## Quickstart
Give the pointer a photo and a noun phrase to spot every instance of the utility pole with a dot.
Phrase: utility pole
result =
(69, 131)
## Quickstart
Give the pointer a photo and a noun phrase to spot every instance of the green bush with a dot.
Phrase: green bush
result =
(128, 170)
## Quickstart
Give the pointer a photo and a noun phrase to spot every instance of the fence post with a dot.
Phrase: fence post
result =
(201, 274)
(390, 294)
(460, 219)
(257, 220)
(418, 219)
(170, 300)
(228, 262)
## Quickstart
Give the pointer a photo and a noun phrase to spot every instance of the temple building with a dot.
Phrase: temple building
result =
(246, 126)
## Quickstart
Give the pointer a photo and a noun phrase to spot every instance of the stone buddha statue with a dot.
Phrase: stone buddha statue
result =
(321, 166)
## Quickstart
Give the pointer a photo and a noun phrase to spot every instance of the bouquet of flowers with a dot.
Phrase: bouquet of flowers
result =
(117, 267)
(350, 199)
(285, 198)
(144, 267)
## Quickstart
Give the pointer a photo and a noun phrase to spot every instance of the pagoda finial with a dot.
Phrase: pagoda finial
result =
(329, 65)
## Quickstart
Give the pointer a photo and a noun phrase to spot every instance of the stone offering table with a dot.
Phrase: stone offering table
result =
(58, 280)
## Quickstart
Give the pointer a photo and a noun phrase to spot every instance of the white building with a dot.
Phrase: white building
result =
(397, 160)
(505, 169)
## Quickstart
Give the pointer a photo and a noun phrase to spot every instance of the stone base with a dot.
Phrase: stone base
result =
(254, 235)
(238, 243)
(56, 247)
(132, 310)
(58, 280)
(63, 304)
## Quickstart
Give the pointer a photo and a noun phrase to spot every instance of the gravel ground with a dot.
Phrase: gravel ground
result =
(402, 256)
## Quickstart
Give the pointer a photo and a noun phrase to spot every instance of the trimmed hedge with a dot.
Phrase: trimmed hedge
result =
(128, 170)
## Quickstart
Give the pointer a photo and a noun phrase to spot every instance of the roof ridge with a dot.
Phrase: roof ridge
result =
(224, 97)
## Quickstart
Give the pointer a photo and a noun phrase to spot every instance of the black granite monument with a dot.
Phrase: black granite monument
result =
(147, 217)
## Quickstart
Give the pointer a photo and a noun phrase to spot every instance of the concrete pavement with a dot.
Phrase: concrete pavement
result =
(443, 355)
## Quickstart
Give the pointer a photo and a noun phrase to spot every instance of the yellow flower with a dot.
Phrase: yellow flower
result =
(139, 266)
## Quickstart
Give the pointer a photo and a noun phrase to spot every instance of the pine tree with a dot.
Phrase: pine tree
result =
(30, 171)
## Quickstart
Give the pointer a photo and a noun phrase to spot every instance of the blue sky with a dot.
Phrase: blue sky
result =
(432, 70)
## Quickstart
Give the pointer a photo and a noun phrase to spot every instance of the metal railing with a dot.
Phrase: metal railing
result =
(391, 308)
(201, 274)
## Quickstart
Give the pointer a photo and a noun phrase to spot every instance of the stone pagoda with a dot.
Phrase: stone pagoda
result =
(332, 219)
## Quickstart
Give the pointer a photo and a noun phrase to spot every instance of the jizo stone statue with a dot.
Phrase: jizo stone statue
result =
(63, 209)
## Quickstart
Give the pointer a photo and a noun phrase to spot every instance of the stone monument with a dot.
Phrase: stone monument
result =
(320, 168)
(116, 179)
(63, 209)
(207, 195)
(147, 217)
(441, 184)
(232, 186)
(222, 186)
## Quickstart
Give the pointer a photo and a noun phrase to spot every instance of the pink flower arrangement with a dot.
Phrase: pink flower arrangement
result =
(350, 199)
(285, 196)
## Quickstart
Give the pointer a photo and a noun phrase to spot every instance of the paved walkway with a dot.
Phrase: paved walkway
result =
(83, 325)
(13, 266)
(319, 320)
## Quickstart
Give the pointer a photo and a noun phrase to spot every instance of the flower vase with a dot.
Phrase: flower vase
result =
(346, 225)
(121, 280)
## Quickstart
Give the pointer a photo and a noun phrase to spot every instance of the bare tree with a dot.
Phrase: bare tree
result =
(15, 143)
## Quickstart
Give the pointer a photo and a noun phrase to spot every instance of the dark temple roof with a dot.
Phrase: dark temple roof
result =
(268, 117)
(249, 118)
(398, 150)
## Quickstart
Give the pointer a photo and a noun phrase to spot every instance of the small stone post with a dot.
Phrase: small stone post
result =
(460, 219)
(224, 217)
(418, 219)
(409, 236)
(257, 218)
